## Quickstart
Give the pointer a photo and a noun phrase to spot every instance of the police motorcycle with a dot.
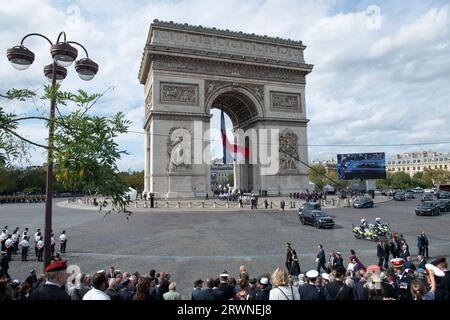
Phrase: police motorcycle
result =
(367, 234)
(382, 229)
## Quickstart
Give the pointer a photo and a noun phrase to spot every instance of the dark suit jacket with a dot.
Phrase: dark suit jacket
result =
(310, 292)
(422, 264)
(49, 292)
(196, 294)
(321, 256)
(207, 294)
(228, 290)
(263, 294)
(219, 294)
(380, 250)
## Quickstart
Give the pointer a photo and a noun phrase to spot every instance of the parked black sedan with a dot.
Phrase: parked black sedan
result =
(317, 218)
(400, 196)
(444, 205)
(427, 208)
(363, 202)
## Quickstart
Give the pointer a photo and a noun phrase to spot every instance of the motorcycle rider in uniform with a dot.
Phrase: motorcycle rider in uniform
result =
(363, 226)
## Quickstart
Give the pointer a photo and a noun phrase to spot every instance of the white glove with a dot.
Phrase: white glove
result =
(317, 259)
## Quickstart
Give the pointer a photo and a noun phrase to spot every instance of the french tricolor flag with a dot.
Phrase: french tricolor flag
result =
(239, 153)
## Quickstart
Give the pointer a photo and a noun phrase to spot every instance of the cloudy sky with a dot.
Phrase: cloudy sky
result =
(381, 68)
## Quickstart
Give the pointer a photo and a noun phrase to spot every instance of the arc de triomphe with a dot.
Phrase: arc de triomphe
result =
(259, 82)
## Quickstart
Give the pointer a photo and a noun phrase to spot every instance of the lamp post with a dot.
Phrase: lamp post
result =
(63, 54)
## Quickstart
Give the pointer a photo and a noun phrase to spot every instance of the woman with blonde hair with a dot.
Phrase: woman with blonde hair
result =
(282, 288)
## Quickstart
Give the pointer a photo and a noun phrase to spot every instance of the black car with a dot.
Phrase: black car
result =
(444, 205)
(363, 202)
(427, 197)
(400, 196)
(443, 195)
(410, 195)
(309, 206)
(317, 218)
(427, 208)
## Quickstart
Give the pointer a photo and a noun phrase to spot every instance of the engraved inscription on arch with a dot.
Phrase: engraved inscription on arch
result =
(286, 102)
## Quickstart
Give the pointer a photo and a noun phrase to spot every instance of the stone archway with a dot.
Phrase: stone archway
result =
(260, 82)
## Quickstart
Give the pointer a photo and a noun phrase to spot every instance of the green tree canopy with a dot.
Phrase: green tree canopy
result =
(85, 151)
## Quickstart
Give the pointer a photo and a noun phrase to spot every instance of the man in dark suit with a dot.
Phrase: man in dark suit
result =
(225, 287)
(387, 252)
(422, 262)
(309, 291)
(208, 294)
(320, 259)
(420, 244)
(54, 287)
(218, 293)
(197, 289)
(425, 244)
(380, 254)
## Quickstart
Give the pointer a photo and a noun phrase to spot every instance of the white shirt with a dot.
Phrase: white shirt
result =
(24, 234)
(95, 294)
(8, 242)
(3, 236)
(40, 244)
(53, 241)
(24, 243)
(36, 237)
(62, 237)
(15, 237)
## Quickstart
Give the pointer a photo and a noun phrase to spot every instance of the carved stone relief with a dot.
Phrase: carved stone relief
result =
(288, 151)
(179, 93)
(287, 102)
(226, 69)
(148, 103)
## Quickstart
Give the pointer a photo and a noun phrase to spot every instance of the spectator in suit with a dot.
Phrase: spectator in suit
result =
(197, 289)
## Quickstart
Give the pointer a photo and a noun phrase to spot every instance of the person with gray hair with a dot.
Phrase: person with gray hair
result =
(80, 288)
(112, 291)
(172, 294)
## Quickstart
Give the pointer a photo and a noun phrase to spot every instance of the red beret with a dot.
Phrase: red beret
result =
(57, 266)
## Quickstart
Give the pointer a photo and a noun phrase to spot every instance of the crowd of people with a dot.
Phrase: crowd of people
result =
(11, 243)
(400, 279)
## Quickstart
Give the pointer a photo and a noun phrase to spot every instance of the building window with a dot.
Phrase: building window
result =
(407, 168)
(398, 169)
(440, 166)
(414, 168)
(445, 166)
(403, 168)
(435, 166)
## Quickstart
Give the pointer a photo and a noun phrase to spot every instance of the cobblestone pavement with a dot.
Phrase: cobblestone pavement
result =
(197, 244)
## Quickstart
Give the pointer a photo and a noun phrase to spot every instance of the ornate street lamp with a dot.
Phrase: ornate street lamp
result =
(63, 54)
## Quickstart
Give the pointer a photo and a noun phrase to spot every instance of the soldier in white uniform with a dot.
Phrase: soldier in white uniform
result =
(9, 246)
(24, 244)
(63, 241)
(40, 248)
(37, 235)
(3, 237)
(15, 239)
(25, 233)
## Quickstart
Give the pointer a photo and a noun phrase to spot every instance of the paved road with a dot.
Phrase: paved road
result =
(192, 245)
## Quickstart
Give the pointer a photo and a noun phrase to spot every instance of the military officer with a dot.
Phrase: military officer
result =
(37, 236)
(24, 244)
(15, 239)
(9, 246)
(53, 289)
(3, 237)
(309, 291)
(25, 234)
(403, 279)
(40, 248)
(63, 241)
